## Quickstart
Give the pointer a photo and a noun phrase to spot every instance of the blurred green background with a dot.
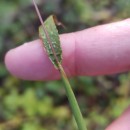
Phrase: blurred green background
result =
(28, 105)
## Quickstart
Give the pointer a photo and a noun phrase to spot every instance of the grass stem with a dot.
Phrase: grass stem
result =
(72, 100)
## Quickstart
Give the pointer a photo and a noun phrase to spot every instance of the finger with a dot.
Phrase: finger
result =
(30, 61)
(96, 51)
(103, 49)
(122, 123)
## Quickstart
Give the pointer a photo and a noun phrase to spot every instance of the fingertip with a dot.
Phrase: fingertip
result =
(122, 123)
(29, 61)
(7, 60)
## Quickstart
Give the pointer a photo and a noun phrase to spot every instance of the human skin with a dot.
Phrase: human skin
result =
(101, 50)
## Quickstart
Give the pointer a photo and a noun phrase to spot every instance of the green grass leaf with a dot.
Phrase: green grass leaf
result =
(54, 38)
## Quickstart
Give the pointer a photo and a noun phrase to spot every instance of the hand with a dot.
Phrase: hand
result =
(96, 51)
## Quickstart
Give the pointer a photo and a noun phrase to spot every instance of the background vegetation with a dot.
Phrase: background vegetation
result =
(28, 105)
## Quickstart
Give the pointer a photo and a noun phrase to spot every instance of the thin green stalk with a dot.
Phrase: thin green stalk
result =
(72, 100)
(71, 97)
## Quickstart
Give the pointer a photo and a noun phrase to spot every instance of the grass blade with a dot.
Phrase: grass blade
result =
(54, 54)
